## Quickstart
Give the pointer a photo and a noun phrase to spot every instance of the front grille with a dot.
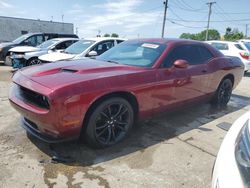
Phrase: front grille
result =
(33, 98)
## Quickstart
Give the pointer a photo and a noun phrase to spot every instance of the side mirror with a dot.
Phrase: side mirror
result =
(92, 53)
(181, 63)
(25, 43)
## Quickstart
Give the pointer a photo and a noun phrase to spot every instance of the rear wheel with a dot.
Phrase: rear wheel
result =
(109, 122)
(223, 93)
(33, 61)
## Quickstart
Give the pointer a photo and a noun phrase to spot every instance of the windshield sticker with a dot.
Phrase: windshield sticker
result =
(147, 45)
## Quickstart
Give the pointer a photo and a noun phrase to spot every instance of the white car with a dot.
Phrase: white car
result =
(245, 43)
(232, 165)
(88, 47)
(27, 55)
(233, 49)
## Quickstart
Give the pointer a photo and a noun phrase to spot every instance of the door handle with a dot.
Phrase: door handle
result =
(204, 71)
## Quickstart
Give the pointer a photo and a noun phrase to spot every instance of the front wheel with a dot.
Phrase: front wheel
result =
(8, 61)
(109, 122)
(223, 93)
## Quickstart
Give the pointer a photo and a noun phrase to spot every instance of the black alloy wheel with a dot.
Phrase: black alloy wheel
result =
(34, 61)
(110, 122)
(223, 93)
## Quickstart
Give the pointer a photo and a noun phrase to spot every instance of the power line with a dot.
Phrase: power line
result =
(202, 21)
(187, 5)
(176, 5)
(174, 22)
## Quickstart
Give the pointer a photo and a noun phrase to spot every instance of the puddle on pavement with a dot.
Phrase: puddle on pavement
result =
(51, 172)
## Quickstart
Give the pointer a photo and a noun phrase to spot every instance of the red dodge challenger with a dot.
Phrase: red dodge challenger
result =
(101, 99)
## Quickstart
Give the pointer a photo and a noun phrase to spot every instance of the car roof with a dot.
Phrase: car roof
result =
(167, 40)
(221, 41)
(103, 38)
(244, 40)
(63, 39)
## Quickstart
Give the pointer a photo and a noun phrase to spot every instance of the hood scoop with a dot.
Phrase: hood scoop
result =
(68, 70)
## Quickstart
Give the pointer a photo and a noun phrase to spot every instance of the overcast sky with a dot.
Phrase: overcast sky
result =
(133, 18)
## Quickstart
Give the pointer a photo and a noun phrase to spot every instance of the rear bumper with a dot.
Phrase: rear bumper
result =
(247, 66)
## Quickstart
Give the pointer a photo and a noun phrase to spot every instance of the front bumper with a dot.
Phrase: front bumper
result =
(18, 63)
(53, 124)
(32, 129)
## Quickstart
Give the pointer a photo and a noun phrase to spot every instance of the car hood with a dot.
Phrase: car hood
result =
(57, 56)
(24, 49)
(4, 44)
(60, 74)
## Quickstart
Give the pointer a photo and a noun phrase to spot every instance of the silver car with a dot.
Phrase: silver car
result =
(26, 55)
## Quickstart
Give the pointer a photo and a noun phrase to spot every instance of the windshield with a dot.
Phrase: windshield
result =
(47, 44)
(247, 44)
(20, 39)
(79, 46)
(136, 53)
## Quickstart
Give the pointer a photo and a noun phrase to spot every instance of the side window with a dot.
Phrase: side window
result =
(46, 37)
(39, 39)
(50, 36)
(119, 41)
(64, 45)
(194, 54)
(220, 46)
(68, 43)
(31, 41)
(205, 54)
(103, 47)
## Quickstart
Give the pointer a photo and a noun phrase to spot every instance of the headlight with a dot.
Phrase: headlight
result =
(242, 153)
(1, 49)
(17, 56)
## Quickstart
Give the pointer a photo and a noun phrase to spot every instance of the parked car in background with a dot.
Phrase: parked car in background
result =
(245, 43)
(232, 165)
(89, 47)
(233, 49)
(30, 39)
(27, 55)
(101, 98)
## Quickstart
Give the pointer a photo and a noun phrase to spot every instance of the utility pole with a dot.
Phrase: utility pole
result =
(209, 14)
(246, 30)
(164, 18)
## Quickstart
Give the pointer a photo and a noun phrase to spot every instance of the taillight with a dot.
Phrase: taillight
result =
(244, 55)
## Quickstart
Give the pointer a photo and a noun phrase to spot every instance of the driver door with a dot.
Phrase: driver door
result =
(180, 85)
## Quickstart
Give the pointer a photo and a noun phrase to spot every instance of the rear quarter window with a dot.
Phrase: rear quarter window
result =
(205, 54)
(239, 46)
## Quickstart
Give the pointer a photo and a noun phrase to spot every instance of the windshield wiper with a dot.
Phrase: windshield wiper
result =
(111, 61)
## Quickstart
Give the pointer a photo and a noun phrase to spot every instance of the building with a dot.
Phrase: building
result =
(11, 28)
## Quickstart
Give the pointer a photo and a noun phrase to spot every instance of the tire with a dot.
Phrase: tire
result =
(223, 93)
(33, 61)
(109, 122)
(8, 61)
